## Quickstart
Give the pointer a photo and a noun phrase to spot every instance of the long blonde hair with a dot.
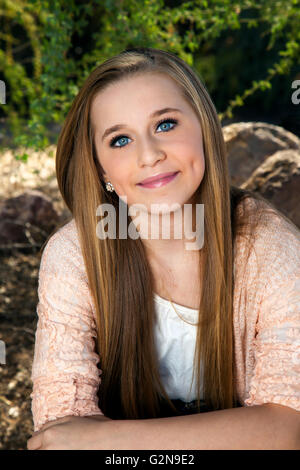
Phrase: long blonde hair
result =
(119, 275)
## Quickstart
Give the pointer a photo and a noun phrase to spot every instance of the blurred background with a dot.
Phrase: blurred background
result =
(247, 53)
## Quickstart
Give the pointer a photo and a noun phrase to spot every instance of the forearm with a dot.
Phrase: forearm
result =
(255, 427)
(100, 417)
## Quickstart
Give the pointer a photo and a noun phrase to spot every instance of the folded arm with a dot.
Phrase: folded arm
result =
(267, 426)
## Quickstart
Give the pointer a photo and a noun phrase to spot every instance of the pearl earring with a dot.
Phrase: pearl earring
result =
(109, 186)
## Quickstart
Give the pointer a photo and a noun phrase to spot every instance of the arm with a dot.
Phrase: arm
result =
(264, 427)
(64, 372)
(48, 424)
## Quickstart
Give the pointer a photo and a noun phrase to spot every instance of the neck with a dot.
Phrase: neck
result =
(173, 237)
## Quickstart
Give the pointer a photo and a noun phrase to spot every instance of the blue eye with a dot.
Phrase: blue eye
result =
(120, 137)
(115, 139)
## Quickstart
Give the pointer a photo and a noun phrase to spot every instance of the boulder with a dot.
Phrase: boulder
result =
(248, 145)
(27, 219)
(277, 179)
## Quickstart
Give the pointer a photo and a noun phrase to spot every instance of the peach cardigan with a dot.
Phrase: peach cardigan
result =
(65, 376)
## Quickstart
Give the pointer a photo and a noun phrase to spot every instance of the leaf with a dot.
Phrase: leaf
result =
(24, 157)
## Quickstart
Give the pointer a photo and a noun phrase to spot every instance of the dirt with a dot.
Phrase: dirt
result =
(18, 299)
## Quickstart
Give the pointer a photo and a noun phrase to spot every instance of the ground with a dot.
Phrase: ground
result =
(18, 323)
(18, 300)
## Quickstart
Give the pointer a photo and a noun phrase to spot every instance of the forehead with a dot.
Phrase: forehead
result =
(143, 94)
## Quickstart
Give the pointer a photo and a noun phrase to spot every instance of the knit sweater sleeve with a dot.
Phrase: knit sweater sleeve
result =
(276, 376)
(64, 374)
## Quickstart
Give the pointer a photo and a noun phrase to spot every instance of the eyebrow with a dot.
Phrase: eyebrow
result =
(156, 113)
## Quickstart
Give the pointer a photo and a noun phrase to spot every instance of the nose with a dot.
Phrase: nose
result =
(149, 153)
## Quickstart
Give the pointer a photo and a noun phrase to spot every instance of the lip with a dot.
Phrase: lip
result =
(157, 177)
(158, 182)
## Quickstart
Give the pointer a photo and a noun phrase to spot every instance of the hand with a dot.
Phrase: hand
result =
(68, 433)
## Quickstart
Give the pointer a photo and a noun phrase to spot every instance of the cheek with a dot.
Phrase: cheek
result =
(196, 166)
(112, 167)
(122, 177)
(200, 163)
(191, 151)
(195, 160)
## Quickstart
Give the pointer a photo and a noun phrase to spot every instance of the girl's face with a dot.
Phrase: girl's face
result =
(142, 147)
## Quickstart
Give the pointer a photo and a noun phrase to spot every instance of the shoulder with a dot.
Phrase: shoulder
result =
(65, 238)
(66, 235)
(62, 251)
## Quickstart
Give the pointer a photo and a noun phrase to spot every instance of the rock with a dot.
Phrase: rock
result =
(12, 384)
(14, 412)
(278, 180)
(248, 144)
(27, 219)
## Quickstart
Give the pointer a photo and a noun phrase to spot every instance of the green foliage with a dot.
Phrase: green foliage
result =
(40, 92)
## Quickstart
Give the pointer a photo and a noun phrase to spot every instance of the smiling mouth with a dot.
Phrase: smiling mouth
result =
(159, 182)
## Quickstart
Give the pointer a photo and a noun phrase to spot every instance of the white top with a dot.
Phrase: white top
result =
(175, 343)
